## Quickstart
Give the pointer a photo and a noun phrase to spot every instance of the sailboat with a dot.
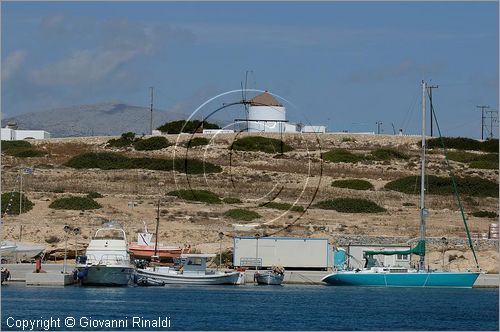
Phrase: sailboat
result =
(373, 275)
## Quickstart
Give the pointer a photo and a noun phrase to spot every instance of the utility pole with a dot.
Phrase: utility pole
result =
(482, 107)
(493, 116)
(430, 101)
(151, 122)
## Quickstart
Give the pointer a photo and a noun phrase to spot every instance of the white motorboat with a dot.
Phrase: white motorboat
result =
(21, 251)
(106, 261)
(193, 270)
(6, 249)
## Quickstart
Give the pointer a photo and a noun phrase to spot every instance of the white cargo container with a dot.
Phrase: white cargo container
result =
(314, 129)
(289, 252)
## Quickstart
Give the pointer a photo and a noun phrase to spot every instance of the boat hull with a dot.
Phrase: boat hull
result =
(22, 251)
(418, 279)
(269, 278)
(231, 278)
(105, 275)
(140, 251)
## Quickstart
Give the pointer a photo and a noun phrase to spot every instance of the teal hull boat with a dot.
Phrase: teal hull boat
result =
(408, 279)
(398, 276)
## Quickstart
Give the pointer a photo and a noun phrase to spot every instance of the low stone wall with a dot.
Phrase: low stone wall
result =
(345, 240)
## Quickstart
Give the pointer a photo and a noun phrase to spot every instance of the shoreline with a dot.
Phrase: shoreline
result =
(293, 277)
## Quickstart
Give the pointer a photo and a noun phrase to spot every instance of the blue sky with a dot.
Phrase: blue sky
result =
(344, 65)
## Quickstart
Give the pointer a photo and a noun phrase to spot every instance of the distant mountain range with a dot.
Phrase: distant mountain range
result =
(94, 120)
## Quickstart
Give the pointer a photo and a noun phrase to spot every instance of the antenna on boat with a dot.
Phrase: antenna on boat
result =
(156, 232)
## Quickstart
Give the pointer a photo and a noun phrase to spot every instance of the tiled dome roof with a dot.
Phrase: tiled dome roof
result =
(264, 99)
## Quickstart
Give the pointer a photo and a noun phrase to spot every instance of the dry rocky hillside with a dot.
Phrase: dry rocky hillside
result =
(299, 176)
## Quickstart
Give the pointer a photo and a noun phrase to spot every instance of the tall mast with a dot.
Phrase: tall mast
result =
(423, 211)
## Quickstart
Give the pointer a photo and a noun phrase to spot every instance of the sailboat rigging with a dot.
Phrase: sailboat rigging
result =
(373, 275)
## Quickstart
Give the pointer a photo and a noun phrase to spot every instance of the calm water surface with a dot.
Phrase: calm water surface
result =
(252, 307)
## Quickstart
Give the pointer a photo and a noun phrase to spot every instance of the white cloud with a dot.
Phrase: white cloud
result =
(83, 66)
(111, 45)
(12, 64)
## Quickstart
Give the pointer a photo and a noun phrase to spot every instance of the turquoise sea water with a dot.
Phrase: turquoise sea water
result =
(249, 307)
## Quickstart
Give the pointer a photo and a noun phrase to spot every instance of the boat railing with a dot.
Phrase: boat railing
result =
(107, 259)
(113, 259)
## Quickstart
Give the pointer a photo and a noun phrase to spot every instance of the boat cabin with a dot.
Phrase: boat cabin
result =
(356, 258)
(108, 247)
(195, 263)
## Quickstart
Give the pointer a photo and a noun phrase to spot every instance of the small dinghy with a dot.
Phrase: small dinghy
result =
(274, 276)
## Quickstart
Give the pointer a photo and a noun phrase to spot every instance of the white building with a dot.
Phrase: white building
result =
(266, 114)
(314, 129)
(11, 133)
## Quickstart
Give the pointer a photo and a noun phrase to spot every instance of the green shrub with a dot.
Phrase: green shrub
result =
(195, 166)
(482, 161)
(231, 200)
(197, 141)
(341, 156)
(106, 160)
(94, 194)
(356, 184)
(283, 206)
(490, 145)
(10, 202)
(102, 160)
(152, 143)
(125, 140)
(197, 195)
(242, 214)
(462, 156)
(262, 144)
(74, 203)
(20, 149)
(10, 145)
(472, 186)
(388, 154)
(350, 205)
(25, 153)
(484, 164)
(175, 127)
(485, 214)
(463, 143)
